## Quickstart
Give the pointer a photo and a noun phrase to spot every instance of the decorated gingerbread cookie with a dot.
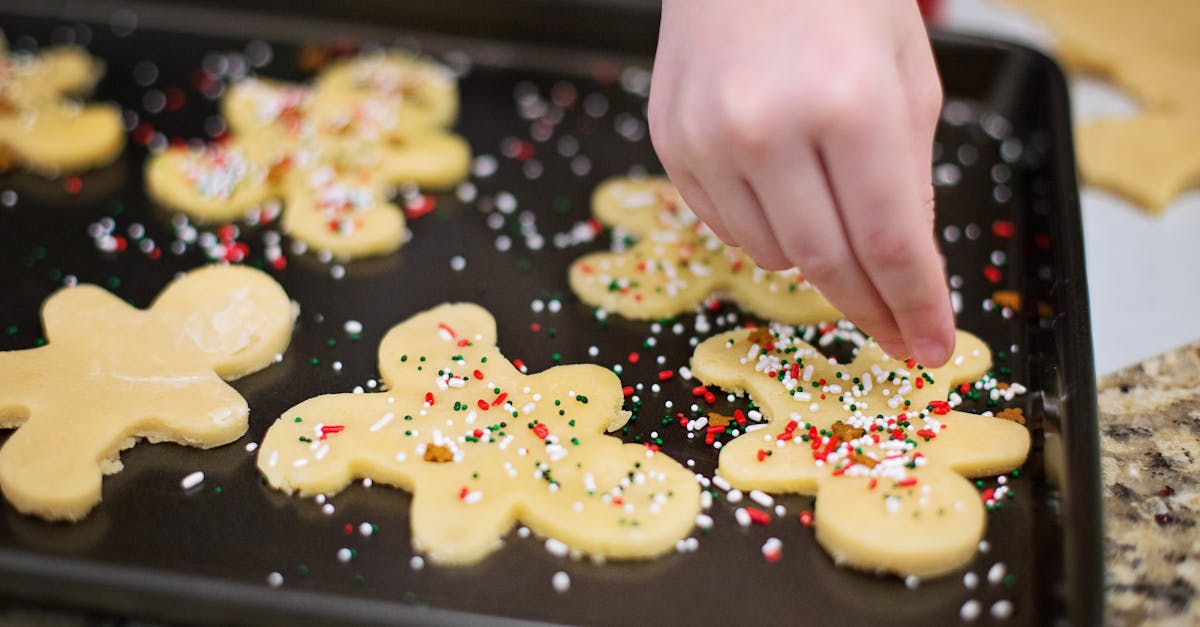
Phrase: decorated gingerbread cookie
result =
(111, 375)
(678, 263)
(876, 440)
(39, 127)
(331, 153)
(482, 446)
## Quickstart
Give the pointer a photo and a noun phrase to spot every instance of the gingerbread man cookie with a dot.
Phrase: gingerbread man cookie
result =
(39, 127)
(111, 374)
(679, 262)
(876, 440)
(331, 152)
(481, 446)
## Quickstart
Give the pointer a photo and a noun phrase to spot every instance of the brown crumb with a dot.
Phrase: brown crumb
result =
(718, 420)
(761, 336)
(1007, 298)
(859, 458)
(438, 454)
(845, 432)
(1012, 413)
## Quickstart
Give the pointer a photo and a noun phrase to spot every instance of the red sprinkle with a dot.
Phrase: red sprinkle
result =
(429, 398)
(483, 405)
(541, 430)
(73, 185)
(634, 358)
(806, 518)
(478, 375)
(940, 408)
(327, 430)
(761, 455)
(520, 365)
(992, 273)
(664, 375)
(1003, 228)
(500, 399)
(757, 516)
(699, 390)
(627, 390)
(907, 482)
(419, 206)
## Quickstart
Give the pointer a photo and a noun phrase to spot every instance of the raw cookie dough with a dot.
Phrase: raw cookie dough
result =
(111, 374)
(874, 439)
(482, 446)
(678, 263)
(330, 153)
(1150, 48)
(39, 127)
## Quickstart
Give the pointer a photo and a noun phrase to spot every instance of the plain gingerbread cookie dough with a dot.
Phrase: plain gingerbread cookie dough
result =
(678, 263)
(1152, 49)
(39, 127)
(330, 153)
(898, 505)
(482, 446)
(91, 392)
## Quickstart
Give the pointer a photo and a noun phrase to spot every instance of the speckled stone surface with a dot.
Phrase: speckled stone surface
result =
(1150, 443)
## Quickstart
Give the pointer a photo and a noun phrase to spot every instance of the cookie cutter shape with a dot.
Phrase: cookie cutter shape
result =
(329, 154)
(482, 446)
(111, 374)
(875, 440)
(39, 127)
(678, 263)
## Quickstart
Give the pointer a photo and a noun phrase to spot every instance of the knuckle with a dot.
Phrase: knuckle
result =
(886, 249)
(819, 268)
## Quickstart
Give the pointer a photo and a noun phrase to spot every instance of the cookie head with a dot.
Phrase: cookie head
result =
(235, 318)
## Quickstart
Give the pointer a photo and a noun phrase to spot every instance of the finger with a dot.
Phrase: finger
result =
(799, 206)
(701, 205)
(870, 164)
(923, 95)
(742, 215)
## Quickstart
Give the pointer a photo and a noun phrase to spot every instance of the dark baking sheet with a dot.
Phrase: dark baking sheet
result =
(154, 550)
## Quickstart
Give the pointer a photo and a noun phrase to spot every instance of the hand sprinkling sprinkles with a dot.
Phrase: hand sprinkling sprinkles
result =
(91, 391)
(679, 262)
(482, 446)
(875, 439)
(330, 152)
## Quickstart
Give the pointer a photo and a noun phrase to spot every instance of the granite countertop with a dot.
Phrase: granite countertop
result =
(1150, 447)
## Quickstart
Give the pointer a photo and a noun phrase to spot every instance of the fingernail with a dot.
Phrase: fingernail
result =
(930, 352)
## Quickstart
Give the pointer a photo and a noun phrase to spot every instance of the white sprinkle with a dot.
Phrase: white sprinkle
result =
(366, 530)
(720, 482)
(742, 516)
(344, 555)
(762, 498)
(969, 611)
(382, 422)
(1002, 609)
(192, 480)
(327, 509)
(274, 580)
(556, 547)
(416, 563)
(251, 447)
(771, 548)
(523, 532)
(561, 582)
(353, 327)
(996, 573)
(704, 521)
(912, 582)
(368, 482)
(970, 580)
(734, 496)
(984, 546)
(458, 263)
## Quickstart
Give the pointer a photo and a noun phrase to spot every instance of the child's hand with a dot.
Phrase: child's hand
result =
(802, 131)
